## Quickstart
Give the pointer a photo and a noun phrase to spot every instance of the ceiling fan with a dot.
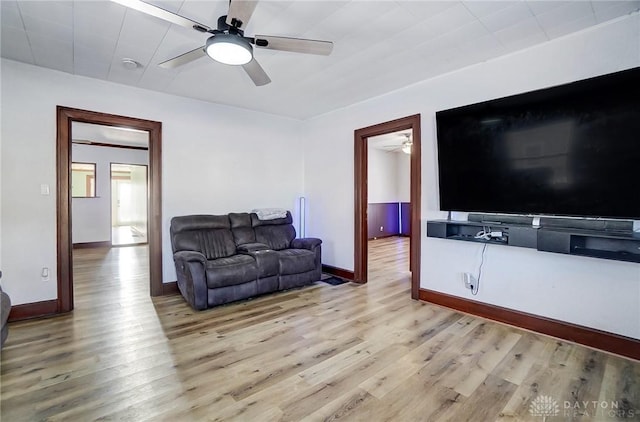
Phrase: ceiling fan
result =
(405, 146)
(227, 43)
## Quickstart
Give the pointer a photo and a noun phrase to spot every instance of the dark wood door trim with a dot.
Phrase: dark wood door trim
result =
(611, 342)
(24, 311)
(65, 116)
(360, 196)
(340, 272)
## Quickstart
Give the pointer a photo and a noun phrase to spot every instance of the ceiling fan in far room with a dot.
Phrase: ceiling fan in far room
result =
(405, 146)
(227, 43)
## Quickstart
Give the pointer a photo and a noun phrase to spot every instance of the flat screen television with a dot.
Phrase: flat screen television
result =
(569, 150)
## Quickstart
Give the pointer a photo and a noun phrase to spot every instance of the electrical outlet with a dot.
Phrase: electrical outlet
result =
(469, 280)
(45, 274)
(381, 228)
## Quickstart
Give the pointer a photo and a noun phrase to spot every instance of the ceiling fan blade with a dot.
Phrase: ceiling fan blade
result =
(241, 11)
(163, 14)
(296, 45)
(184, 58)
(256, 73)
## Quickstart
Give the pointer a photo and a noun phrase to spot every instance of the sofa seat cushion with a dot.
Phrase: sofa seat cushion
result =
(232, 270)
(295, 261)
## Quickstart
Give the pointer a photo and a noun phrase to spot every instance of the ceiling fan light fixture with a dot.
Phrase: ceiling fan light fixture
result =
(406, 146)
(229, 49)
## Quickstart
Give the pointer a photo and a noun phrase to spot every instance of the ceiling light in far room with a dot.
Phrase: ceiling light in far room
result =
(406, 145)
(229, 49)
(130, 64)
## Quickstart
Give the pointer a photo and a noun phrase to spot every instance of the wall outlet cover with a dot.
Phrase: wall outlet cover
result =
(468, 279)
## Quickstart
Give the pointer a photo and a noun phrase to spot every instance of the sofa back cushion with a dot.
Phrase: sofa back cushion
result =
(241, 228)
(207, 234)
(277, 234)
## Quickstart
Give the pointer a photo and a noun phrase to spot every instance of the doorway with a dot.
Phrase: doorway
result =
(65, 117)
(361, 137)
(128, 204)
(389, 204)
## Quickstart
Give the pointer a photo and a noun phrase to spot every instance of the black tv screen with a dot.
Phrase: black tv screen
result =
(570, 150)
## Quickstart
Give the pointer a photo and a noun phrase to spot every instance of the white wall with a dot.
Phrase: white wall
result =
(91, 217)
(592, 292)
(216, 159)
(1, 137)
(403, 176)
(382, 176)
(388, 176)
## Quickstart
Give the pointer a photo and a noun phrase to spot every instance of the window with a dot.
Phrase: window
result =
(83, 180)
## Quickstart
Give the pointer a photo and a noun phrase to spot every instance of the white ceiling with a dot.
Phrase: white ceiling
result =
(379, 46)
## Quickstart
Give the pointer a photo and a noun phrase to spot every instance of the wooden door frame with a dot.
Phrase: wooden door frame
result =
(65, 116)
(361, 192)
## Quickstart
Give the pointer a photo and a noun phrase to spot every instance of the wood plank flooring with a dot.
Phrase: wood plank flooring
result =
(321, 353)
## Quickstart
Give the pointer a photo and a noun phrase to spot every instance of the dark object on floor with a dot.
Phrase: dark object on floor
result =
(224, 258)
(335, 281)
(5, 308)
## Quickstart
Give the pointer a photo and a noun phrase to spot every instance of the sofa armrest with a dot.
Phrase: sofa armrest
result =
(5, 309)
(248, 248)
(191, 272)
(309, 243)
(190, 256)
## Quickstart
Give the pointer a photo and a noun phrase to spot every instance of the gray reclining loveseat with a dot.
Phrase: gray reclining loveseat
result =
(224, 258)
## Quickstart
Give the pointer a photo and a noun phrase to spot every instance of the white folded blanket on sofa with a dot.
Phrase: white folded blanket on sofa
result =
(270, 213)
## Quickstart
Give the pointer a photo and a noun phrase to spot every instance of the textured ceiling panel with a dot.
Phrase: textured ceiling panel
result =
(507, 17)
(612, 10)
(481, 9)
(10, 15)
(52, 53)
(15, 45)
(379, 46)
(99, 19)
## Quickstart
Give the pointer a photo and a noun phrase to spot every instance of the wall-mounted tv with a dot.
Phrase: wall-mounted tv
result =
(570, 150)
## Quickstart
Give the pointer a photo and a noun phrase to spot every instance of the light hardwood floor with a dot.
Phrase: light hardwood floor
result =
(323, 352)
(127, 235)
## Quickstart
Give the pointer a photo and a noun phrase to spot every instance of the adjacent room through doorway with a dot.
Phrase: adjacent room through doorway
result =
(389, 203)
(128, 204)
(96, 141)
(408, 131)
(109, 186)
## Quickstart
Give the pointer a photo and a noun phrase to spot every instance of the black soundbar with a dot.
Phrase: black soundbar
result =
(578, 223)
(501, 219)
(556, 222)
